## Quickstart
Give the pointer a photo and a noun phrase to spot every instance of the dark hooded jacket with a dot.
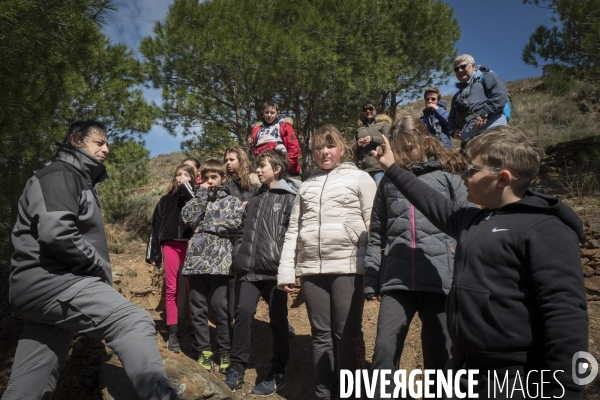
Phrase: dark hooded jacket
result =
(416, 255)
(518, 298)
(167, 223)
(234, 186)
(258, 244)
(59, 236)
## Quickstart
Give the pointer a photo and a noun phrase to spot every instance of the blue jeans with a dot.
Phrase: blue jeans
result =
(377, 175)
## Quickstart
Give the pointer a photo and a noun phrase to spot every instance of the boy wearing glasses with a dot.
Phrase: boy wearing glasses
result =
(435, 116)
(517, 307)
(371, 128)
(479, 103)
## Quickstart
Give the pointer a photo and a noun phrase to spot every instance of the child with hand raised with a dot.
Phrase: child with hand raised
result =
(216, 217)
(168, 242)
(517, 305)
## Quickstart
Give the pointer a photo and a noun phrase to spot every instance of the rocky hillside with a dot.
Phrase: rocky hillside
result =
(569, 128)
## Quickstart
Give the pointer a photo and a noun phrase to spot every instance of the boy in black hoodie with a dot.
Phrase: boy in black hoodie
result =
(517, 305)
(256, 253)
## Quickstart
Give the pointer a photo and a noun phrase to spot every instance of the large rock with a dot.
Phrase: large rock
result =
(193, 381)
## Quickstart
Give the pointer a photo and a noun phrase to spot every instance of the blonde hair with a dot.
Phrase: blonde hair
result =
(243, 173)
(329, 135)
(409, 132)
(187, 168)
(510, 148)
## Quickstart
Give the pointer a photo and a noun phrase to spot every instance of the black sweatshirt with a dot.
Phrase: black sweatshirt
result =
(518, 298)
(167, 223)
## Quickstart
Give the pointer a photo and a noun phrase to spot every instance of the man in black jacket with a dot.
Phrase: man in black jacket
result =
(60, 276)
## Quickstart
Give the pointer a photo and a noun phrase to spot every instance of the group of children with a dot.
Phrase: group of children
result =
(457, 238)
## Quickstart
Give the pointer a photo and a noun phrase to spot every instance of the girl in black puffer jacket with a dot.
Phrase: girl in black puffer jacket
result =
(409, 261)
(257, 251)
(168, 241)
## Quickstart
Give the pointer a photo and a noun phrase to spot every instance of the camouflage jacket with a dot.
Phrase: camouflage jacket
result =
(218, 216)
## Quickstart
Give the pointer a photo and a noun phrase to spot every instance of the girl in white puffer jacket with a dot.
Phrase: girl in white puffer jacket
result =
(325, 245)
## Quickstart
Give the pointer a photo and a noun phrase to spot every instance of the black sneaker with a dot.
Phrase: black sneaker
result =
(173, 343)
(274, 382)
(291, 331)
(234, 379)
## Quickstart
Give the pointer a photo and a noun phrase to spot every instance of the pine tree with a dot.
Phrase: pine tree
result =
(571, 50)
(218, 61)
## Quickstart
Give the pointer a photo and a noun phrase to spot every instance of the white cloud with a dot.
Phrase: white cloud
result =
(134, 20)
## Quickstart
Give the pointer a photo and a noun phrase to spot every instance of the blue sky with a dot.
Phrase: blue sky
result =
(494, 32)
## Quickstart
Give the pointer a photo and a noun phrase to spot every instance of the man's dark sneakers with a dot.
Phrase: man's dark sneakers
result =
(274, 382)
(234, 379)
(173, 343)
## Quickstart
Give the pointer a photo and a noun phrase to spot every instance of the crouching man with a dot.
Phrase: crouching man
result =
(60, 276)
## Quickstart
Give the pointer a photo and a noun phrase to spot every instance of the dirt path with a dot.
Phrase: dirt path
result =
(136, 277)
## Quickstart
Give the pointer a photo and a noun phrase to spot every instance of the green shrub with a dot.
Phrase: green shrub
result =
(127, 164)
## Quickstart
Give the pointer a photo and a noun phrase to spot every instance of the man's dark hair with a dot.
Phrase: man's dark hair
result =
(83, 129)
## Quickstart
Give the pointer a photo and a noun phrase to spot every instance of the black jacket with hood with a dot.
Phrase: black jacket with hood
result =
(235, 188)
(59, 236)
(259, 242)
(167, 223)
(518, 298)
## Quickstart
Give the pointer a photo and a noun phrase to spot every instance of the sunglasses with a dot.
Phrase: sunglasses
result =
(432, 98)
(368, 109)
(471, 170)
(461, 67)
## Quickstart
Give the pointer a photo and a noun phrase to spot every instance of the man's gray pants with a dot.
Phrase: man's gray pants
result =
(97, 310)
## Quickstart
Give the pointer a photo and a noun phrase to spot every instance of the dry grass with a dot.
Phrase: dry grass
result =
(552, 119)
(578, 184)
(140, 205)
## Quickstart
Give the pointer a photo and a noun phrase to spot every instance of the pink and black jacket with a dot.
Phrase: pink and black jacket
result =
(406, 251)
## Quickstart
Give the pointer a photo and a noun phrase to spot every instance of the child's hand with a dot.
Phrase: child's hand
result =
(374, 297)
(384, 154)
(364, 141)
(205, 185)
(289, 288)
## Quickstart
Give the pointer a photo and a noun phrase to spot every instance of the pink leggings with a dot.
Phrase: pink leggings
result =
(173, 258)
